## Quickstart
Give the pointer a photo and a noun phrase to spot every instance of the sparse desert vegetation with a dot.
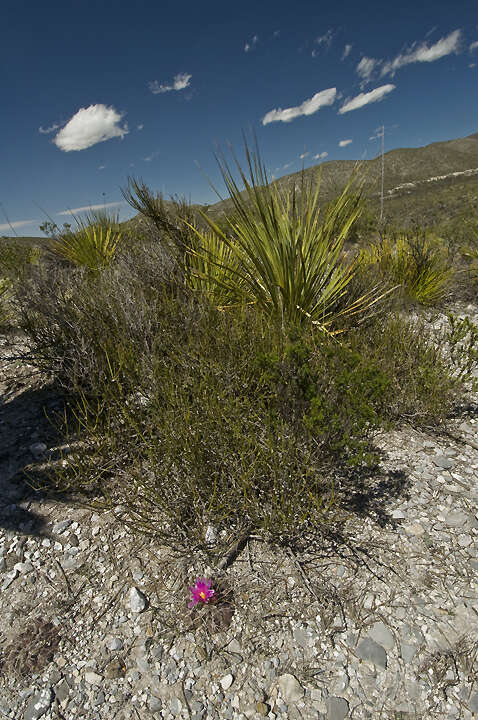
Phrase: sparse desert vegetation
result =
(225, 380)
(226, 374)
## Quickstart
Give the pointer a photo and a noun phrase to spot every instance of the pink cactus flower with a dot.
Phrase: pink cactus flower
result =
(201, 592)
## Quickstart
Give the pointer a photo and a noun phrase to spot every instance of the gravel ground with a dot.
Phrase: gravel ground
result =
(378, 619)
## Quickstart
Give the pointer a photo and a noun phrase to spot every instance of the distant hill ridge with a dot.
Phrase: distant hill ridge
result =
(439, 180)
(431, 184)
(403, 165)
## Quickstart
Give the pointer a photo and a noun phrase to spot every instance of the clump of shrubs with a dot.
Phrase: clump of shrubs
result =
(227, 376)
(196, 416)
(413, 261)
(17, 259)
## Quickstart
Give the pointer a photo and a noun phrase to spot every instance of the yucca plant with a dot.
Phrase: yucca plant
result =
(91, 246)
(100, 217)
(204, 261)
(282, 254)
(212, 270)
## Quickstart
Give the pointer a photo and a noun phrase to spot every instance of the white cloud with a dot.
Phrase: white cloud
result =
(325, 39)
(366, 67)
(344, 143)
(251, 45)
(304, 155)
(101, 167)
(473, 46)
(276, 34)
(308, 107)
(320, 156)
(180, 81)
(73, 211)
(287, 165)
(90, 126)
(424, 53)
(17, 224)
(140, 126)
(366, 98)
(472, 65)
(52, 128)
(150, 157)
(346, 51)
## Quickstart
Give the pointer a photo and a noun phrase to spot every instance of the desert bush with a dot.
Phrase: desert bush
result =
(225, 428)
(427, 374)
(461, 341)
(413, 260)
(168, 222)
(16, 259)
(223, 377)
(193, 416)
(366, 226)
(459, 232)
(100, 218)
(16, 262)
(85, 328)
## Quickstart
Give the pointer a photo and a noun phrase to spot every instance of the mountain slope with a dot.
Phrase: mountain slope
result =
(429, 184)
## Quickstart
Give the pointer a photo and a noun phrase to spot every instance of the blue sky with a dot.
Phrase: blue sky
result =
(95, 92)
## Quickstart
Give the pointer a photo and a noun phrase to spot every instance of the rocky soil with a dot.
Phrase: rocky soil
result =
(378, 620)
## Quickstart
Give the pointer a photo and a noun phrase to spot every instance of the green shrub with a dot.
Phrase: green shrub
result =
(168, 222)
(416, 262)
(365, 227)
(427, 375)
(212, 435)
(470, 252)
(330, 389)
(16, 259)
